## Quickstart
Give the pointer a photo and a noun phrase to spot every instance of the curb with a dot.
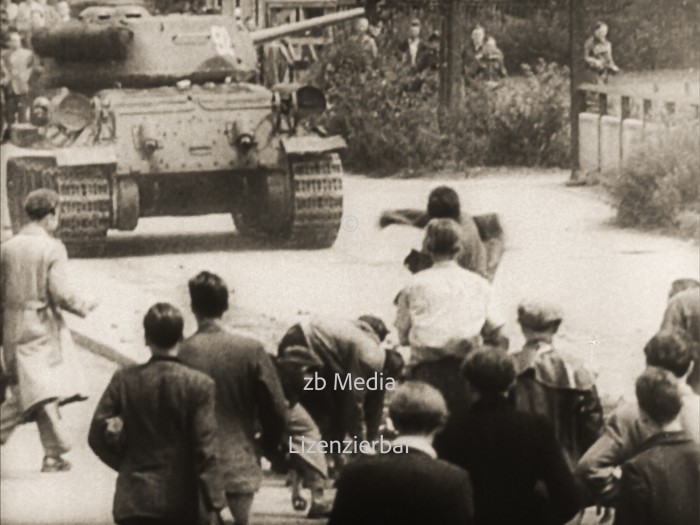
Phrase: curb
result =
(101, 349)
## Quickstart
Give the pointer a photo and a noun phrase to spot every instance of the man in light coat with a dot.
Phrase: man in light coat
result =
(38, 354)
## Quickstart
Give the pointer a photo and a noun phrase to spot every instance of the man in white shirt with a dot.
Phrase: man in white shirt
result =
(445, 306)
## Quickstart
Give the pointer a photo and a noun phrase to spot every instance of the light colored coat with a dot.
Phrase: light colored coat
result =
(38, 352)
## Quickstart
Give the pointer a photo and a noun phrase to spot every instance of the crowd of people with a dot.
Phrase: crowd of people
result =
(20, 68)
(482, 57)
(480, 433)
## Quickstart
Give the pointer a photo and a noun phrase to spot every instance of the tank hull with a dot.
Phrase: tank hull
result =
(144, 116)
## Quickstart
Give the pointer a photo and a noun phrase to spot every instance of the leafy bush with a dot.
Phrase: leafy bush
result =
(389, 114)
(661, 182)
(531, 119)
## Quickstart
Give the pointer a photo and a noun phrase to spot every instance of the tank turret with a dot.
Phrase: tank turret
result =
(129, 48)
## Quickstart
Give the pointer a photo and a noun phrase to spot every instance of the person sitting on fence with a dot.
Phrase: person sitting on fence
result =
(493, 60)
(598, 54)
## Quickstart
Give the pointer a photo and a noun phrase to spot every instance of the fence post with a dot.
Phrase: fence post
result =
(602, 111)
(625, 107)
(646, 116)
(625, 113)
(670, 111)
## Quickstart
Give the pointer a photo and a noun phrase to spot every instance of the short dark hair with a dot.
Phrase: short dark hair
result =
(443, 203)
(208, 295)
(658, 395)
(442, 238)
(669, 349)
(163, 325)
(417, 408)
(489, 371)
(40, 203)
(376, 324)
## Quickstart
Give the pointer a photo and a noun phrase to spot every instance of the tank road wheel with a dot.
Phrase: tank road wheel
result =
(86, 203)
(298, 209)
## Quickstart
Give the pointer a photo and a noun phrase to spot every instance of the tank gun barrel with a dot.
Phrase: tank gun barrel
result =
(261, 36)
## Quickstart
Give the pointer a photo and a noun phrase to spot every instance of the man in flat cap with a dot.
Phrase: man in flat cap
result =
(554, 385)
(38, 355)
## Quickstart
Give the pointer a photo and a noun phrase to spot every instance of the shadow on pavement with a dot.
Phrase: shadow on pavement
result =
(130, 245)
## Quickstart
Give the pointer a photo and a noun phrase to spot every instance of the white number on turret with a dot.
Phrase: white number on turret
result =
(222, 41)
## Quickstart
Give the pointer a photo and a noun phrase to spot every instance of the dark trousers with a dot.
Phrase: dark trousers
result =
(16, 108)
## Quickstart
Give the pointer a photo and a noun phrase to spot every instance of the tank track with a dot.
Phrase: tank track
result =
(86, 202)
(318, 201)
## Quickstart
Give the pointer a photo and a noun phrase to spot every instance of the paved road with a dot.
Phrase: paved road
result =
(612, 284)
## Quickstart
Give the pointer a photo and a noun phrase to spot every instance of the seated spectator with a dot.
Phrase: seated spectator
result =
(598, 54)
(660, 485)
(683, 313)
(627, 429)
(493, 59)
(411, 487)
(507, 453)
(554, 385)
(155, 425)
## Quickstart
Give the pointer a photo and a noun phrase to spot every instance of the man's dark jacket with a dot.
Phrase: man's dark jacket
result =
(402, 489)
(248, 398)
(660, 485)
(511, 457)
(165, 453)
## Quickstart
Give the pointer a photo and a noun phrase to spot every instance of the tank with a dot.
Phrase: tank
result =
(143, 116)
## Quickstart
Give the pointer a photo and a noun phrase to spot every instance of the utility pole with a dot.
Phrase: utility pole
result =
(577, 23)
(451, 94)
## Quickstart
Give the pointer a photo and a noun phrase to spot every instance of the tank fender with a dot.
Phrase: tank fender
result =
(312, 144)
(85, 156)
